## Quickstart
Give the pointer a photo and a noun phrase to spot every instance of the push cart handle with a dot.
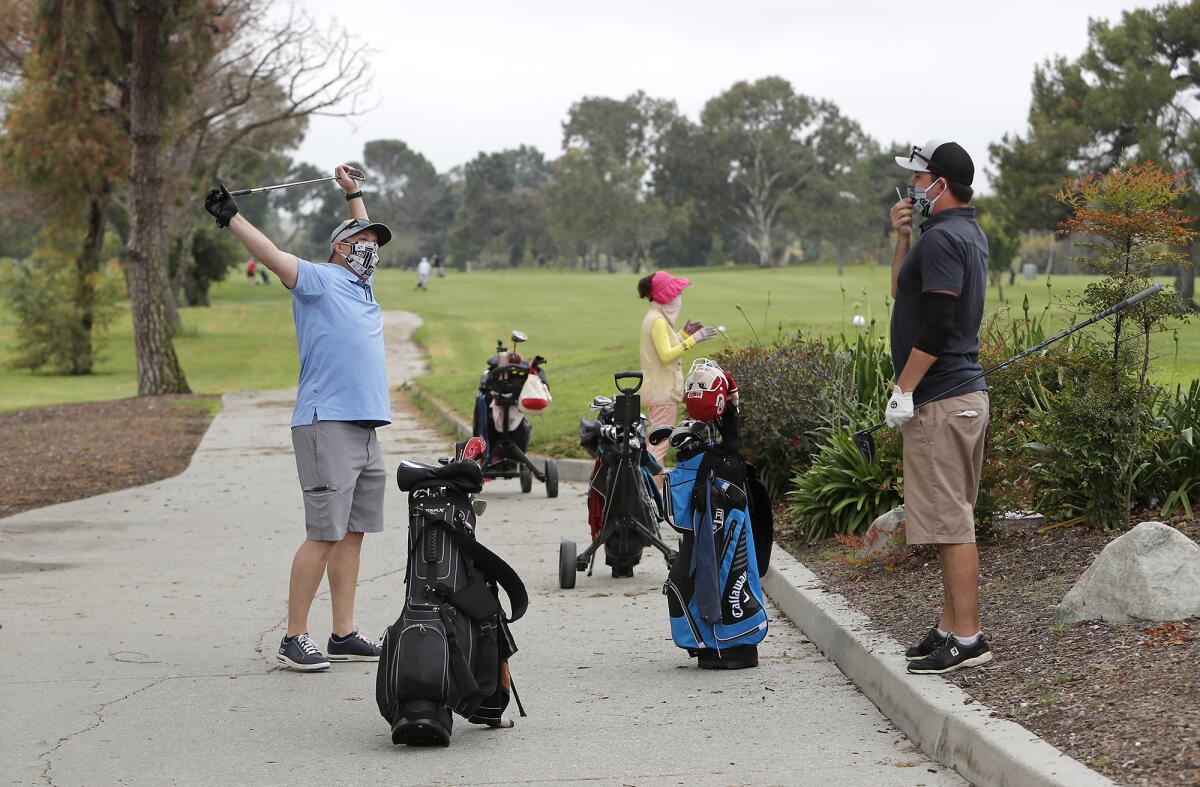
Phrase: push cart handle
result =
(619, 376)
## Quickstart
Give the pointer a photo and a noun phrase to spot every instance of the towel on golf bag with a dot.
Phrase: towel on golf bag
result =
(448, 649)
(714, 593)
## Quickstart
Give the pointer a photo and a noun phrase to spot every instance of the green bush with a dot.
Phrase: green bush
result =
(1171, 474)
(1084, 438)
(786, 393)
(841, 493)
(57, 311)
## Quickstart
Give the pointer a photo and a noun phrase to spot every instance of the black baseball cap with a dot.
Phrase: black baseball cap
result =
(354, 226)
(944, 159)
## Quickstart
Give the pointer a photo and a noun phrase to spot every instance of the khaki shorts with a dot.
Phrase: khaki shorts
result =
(342, 475)
(943, 455)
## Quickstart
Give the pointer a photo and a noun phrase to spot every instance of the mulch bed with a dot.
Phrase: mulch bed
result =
(67, 452)
(1124, 699)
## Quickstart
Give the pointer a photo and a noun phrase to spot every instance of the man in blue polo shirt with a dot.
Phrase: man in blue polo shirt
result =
(341, 398)
(939, 284)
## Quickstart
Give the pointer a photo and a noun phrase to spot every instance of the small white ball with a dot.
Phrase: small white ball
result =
(859, 321)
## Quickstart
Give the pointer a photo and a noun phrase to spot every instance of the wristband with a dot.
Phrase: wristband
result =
(353, 195)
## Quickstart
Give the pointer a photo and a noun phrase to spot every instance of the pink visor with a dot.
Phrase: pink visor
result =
(664, 287)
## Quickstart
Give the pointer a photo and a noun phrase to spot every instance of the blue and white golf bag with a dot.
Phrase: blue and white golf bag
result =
(714, 593)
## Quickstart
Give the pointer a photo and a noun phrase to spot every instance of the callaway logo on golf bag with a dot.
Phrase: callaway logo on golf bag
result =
(448, 650)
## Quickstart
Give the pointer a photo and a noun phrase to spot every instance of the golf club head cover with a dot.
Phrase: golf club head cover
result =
(220, 203)
(937, 321)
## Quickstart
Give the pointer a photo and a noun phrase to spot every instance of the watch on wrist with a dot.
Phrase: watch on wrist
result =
(353, 195)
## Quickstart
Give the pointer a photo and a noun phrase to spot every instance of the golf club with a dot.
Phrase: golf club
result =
(864, 441)
(355, 174)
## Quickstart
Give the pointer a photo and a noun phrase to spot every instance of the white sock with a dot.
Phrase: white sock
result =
(968, 641)
(942, 634)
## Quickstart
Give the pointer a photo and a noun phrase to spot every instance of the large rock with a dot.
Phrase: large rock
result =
(884, 534)
(1150, 573)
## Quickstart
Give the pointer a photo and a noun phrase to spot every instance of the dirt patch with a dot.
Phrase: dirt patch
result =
(66, 452)
(1123, 699)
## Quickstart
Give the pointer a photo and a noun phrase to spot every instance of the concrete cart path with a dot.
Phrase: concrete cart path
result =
(139, 631)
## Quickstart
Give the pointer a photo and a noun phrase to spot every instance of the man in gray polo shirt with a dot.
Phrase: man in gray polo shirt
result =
(939, 284)
(341, 398)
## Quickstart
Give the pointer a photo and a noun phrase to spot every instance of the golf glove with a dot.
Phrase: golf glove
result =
(703, 335)
(899, 408)
(220, 204)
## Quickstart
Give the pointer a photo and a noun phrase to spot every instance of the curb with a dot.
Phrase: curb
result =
(568, 469)
(941, 718)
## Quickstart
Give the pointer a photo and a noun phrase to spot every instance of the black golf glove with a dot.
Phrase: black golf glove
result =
(219, 203)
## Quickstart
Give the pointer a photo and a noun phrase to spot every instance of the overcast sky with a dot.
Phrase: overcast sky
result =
(455, 78)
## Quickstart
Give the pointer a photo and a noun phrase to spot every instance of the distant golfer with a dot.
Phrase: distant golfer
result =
(341, 398)
(423, 269)
(661, 348)
(939, 285)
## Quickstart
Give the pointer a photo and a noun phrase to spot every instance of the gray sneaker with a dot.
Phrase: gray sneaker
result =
(353, 647)
(300, 653)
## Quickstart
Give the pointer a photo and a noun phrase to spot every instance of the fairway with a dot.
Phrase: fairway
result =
(585, 324)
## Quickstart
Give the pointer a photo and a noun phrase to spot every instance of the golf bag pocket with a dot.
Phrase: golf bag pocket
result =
(681, 482)
(413, 665)
(476, 600)
(422, 657)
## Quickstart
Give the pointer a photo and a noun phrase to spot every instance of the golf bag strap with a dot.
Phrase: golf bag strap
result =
(494, 566)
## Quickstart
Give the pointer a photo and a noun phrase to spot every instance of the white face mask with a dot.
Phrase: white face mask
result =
(363, 258)
(672, 308)
(922, 205)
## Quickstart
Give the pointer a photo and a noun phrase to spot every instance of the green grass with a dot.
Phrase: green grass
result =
(586, 324)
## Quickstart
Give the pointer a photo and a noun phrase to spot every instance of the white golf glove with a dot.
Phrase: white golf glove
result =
(899, 408)
(704, 334)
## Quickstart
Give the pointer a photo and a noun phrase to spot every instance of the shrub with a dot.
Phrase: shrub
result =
(1083, 438)
(57, 311)
(1171, 474)
(786, 396)
(842, 493)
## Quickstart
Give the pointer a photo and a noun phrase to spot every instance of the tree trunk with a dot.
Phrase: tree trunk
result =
(86, 266)
(158, 368)
(1185, 277)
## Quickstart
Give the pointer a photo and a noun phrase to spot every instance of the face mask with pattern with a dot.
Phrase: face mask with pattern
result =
(363, 258)
(922, 205)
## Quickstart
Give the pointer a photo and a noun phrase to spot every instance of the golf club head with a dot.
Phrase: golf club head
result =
(601, 402)
(519, 336)
(478, 506)
(474, 449)
(659, 433)
(864, 441)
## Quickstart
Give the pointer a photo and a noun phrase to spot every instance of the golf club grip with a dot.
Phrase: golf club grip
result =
(240, 192)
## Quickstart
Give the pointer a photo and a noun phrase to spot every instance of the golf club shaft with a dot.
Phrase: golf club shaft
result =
(1110, 311)
(355, 175)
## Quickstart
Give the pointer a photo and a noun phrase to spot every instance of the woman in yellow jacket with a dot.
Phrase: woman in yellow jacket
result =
(662, 347)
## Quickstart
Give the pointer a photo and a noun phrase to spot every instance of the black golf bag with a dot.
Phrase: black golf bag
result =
(501, 418)
(624, 507)
(449, 649)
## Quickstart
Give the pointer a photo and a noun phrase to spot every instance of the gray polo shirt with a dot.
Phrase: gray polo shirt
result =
(951, 254)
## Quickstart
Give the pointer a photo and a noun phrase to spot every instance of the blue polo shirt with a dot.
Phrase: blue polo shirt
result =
(339, 333)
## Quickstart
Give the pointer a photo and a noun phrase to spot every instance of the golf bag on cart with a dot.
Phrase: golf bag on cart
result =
(624, 507)
(449, 649)
(721, 509)
(510, 391)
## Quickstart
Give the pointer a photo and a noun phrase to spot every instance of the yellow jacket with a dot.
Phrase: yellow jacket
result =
(661, 349)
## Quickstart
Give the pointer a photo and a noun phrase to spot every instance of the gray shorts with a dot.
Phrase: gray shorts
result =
(342, 475)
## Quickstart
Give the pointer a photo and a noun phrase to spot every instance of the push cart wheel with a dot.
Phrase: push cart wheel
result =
(551, 478)
(526, 478)
(566, 564)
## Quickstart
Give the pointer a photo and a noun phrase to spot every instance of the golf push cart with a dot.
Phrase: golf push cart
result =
(509, 391)
(624, 506)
